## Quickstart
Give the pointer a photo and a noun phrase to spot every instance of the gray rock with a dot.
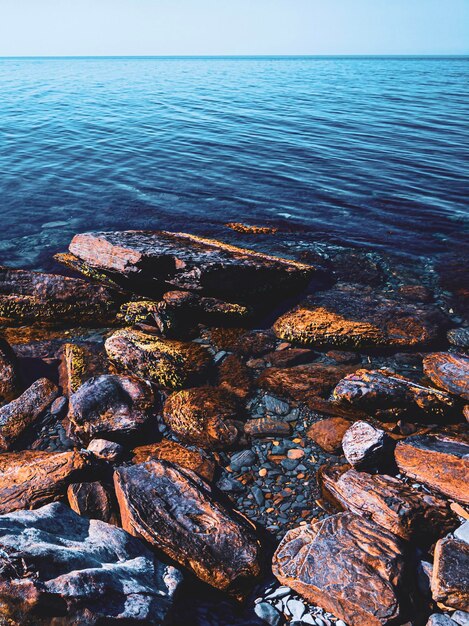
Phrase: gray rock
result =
(59, 405)
(437, 619)
(297, 608)
(258, 495)
(366, 447)
(107, 450)
(462, 532)
(461, 618)
(274, 405)
(243, 458)
(459, 337)
(230, 485)
(280, 592)
(268, 614)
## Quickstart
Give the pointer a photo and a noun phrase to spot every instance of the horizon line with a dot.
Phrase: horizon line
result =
(226, 56)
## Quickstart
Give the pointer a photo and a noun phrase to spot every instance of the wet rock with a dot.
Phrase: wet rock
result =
(245, 458)
(176, 512)
(342, 356)
(328, 433)
(110, 407)
(268, 614)
(203, 416)
(251, 229)
(167, 450)
(37, 298)
(388, 395)
(254, 343)
(367, 447)
(390, 503)
(59, 406)
(184, 261)
(78, 364)
(347, 565)
(448, 371)
(450, 578)
(54, 563)
(168, 363)
(353, 316)
(9, 381)
(290, 357)
(106, 450)
(16, 416)
(266, 427)
(93, 500)
(234, 377)
(439, 461)
(29, 479)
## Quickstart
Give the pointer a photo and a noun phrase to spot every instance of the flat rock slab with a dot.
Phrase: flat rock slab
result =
(111, 407)
(450, 577)
(184, 261)
(54, 562)
(29, 479)
(166, 362)
(16, 416)
(9, 380)
(347, 565)
(390, 503)
(177, 513)
(354, 316)
(448, 371)
(439, 461)
(51, 299)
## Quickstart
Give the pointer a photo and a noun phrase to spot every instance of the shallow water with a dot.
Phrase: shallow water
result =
(353, 151)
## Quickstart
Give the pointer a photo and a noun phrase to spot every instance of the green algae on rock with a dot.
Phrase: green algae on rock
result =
(166, 362)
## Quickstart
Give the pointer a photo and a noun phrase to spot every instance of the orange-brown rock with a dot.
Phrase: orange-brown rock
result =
(328, 433)
(290, 357)
(327, 407)
(9, 381)
(37, 298)
(388, 501)
(168, 363)
(250, 229)
(93, 500)
(439, 461)
(203, 416)
(303, 381)
(16, 416)
(167, 450)
(448, 371)
(254, 343)
(356, 316)
(266, 427)
(347, 565)
(175, 511)
(234, 377)
(110, 407)
(450, 576)
(29, 479)
(78, 363)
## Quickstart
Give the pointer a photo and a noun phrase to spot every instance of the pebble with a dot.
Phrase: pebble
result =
(280, 592)
(245, 458)
(59, 405)
(296, 608)
(295, 453)
(258, 495)
(274, 405)
(268, 613)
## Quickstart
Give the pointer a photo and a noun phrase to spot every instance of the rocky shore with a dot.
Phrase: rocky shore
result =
(195, 433)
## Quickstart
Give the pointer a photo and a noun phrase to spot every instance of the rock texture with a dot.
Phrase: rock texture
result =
(168, 363)
(9, 381)
(390, 503)
(203, 416)
(93, 500)
(439, 461)
(367, 447)
(110, 407)
(354, 316)
(328, 433)
(448, 371)
(183, 261)
(176, 512)
(29, 479)
(78, 364)
(54, 562)
(16, 416)
(450, 577)
(347, 565)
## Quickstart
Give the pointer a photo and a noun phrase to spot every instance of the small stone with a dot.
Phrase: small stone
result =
(107, 450)
(245, 458)
(462, 533)
(296, 608)
(268, 614)
(263, 472)
(274, 405)
(258, 495)
(295, 453)
(459, 337)
(59, 406)
(366, 447)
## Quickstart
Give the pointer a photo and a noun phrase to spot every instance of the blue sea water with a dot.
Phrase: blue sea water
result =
(370, 152)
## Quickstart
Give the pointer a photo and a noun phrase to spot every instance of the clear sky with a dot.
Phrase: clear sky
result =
(211, 27)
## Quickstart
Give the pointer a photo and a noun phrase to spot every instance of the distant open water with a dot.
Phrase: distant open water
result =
(367, 152)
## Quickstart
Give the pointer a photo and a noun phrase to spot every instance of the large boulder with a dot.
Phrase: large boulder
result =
(355, 316)
(203, 416)
(110, 407)
(176, 512)
(347, 565)
(29, 479)
(54, 563)
(184, 261)
(168, 363)
(450, 576)
(389, 502)
(439, 461)
(9, 380)
(448, 371)
(16, 416)
(388, 395)
(37, 298)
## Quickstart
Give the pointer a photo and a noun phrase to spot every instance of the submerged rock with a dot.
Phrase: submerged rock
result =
(176, 512)
(347, 565)
(29, 479)
(448, 371)
(450, 576)
(168, 363)
(9, 380)
(390, 503)
(16, 416)
(439, 461)
(354, 316)
(203, 416)
(54, 563)
(110, 406)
